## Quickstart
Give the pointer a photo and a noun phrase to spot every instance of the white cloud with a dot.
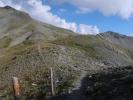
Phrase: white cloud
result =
(63, 10)
(85, 29)
(83, 11)
(122, 8)
(1, 4)
(43, 13)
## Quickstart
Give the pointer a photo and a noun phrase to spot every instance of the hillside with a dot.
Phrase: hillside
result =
(28, 48)
(118, 39)
(18, 26)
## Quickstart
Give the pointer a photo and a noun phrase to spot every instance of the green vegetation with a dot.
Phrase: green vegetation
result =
(4, 42)
(39, 46)
(130, 53)
(85, 43)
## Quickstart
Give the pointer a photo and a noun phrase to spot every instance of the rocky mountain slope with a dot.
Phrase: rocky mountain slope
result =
(28, 49)
(16, 27)
(118, 39)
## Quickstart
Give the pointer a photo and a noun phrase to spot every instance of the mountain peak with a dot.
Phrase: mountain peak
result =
(113, 34)
(118, 39)
(7, 7)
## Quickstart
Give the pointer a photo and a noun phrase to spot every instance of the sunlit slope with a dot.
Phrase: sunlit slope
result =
(29, 48)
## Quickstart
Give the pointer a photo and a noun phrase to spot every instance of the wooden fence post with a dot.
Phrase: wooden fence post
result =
(16, 88)
(52, 82)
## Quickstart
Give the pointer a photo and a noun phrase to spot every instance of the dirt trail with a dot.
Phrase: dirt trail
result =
(78, 91)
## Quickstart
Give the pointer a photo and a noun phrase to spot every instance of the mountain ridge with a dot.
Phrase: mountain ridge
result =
(29, 48)
(118, 39)
(15, 23)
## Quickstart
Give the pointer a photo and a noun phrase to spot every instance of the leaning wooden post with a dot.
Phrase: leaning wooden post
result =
(52, 82)
(16, 88)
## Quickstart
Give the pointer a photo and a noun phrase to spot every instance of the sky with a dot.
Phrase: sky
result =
(81, 16)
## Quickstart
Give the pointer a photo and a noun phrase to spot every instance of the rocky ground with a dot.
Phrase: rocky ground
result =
(114, 84)
(84, 66)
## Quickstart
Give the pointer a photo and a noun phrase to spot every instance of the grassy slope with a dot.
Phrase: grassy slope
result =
(97, 48)
(66, 56)
(61, 49)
